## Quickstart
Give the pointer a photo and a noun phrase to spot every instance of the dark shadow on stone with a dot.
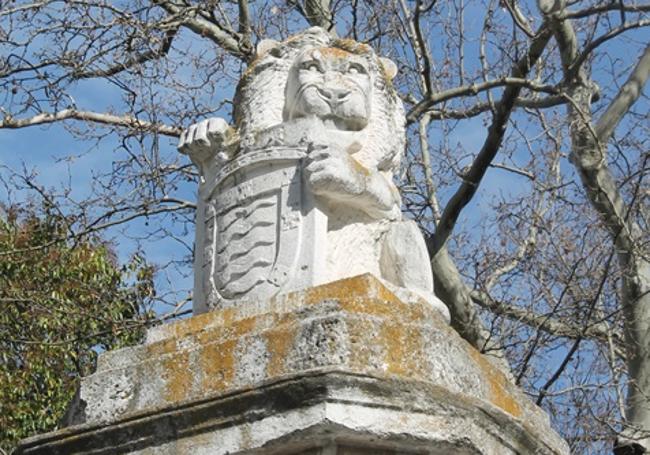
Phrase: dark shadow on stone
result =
(628, 448)
(76, 412)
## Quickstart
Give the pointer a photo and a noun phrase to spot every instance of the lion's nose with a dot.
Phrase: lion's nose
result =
(334, 94)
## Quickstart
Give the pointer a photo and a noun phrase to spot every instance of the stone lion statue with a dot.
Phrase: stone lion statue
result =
(334, 98)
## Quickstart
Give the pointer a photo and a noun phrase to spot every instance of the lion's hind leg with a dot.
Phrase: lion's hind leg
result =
(405, 263)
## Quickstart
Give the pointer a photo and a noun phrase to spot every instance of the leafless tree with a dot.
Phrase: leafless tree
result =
(526, 165)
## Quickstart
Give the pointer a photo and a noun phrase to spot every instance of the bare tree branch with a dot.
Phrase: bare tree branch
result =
(474, 89)
(215, 32)
(87, 116)
(543, 391)
(451, 289)
(518, 17)
(492, 143)
(245, 25)
(629, 92)
(566, 14)
(318, 13)
(548, 323)
(588, 50)
(139, 59)
(480, 108)
(588, 154)
(422, 54)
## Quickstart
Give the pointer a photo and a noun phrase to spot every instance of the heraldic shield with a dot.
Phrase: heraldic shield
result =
(260, 227)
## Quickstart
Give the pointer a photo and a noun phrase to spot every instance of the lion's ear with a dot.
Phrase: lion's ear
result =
(265, 46)
(389, 67)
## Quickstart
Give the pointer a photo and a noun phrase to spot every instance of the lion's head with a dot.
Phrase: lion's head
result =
(342, 82)
(331, 84)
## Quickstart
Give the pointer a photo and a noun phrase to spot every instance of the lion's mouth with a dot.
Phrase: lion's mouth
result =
(335, 122)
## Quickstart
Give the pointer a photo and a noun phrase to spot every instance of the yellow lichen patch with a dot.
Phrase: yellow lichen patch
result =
(161, 347)
(348, 289)
(359, 332)
(227, 315)
(352, 46)
(499, 384)
(178, 377)
(403, 348)
(410, 312)
(217, 365)
(190, 325)
(205, 328)
(334, 52)
(362, 294)
(278, 344)
(193, 324)
(231, 329)
(375, 307)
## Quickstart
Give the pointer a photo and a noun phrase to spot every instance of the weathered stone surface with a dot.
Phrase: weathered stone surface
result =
(300, 191)
(343, 364)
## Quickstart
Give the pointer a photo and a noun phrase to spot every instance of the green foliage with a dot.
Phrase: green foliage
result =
(61, 302)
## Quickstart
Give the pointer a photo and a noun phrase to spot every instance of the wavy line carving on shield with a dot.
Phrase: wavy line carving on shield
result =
(246, 242)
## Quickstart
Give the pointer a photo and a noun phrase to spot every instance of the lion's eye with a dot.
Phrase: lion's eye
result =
(356, 69)
(313, 67)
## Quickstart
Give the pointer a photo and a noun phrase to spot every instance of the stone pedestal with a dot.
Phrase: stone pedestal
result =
(342, 368)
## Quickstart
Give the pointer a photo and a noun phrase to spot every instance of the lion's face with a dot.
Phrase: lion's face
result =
(331, 84)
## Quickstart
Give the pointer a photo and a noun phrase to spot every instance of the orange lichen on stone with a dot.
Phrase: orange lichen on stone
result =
(178, 377)
(227, 316)
(216, 357)
(352, 46)
(229, 329)
(403, 349)
(278, 343)
(499, 384)
(362, 294)
(162, 347)
(334, 52)
(181, 329)
(192, 325)
(367, 295)
(348, 291)
(345, 289)
(375, 307)
(407, 312)
(217, 363)
(360, 350)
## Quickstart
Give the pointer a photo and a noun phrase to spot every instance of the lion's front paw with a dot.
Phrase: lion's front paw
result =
(330, 171)
(205, 139)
